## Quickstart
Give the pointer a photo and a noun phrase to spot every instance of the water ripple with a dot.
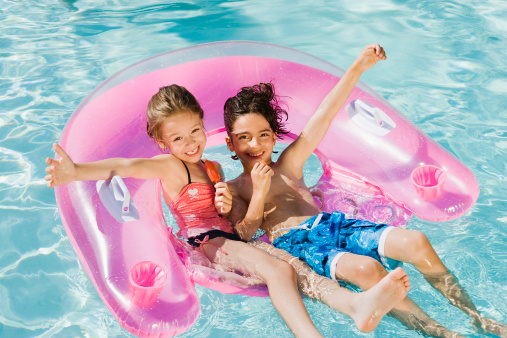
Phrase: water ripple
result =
(445, 71)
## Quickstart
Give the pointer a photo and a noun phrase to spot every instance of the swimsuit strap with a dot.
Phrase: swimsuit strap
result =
(188, 172)
(206, 241)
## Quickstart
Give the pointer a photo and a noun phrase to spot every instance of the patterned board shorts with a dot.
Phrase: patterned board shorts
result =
(323, 239)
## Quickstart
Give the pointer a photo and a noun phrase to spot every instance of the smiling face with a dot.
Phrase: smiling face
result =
(183, 134)
(252, 139)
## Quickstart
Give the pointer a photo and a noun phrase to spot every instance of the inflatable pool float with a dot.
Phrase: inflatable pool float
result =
(377, 165)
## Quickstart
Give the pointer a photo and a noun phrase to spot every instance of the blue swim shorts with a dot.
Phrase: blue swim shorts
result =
(321, 241)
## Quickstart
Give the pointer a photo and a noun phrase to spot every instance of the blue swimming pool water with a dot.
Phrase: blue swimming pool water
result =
(446, 71)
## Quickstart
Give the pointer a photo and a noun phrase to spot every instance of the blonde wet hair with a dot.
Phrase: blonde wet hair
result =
(168, 101)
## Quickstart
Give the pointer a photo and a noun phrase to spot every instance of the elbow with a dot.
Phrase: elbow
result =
(243, 232)
(245, 236)
(129, 167)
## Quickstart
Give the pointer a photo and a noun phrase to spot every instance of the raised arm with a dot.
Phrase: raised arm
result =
(315, 129)
(64, 170)
(247, 218)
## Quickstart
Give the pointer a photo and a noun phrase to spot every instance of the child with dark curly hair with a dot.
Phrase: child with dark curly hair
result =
(272, 196)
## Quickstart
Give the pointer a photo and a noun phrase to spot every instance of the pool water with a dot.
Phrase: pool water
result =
(445, 71)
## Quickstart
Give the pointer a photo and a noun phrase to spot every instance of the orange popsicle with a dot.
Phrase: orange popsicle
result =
(212, 171)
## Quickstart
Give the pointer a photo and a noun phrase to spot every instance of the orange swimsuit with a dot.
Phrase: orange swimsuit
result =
(194, 210)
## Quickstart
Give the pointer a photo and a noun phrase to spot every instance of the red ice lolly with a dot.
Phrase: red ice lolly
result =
(212, 171)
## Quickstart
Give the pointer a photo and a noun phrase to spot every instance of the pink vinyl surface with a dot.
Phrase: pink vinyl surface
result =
(111, 122)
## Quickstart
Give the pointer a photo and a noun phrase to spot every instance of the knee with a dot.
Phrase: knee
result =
(278, 268)
(368, 273)
(286, 269)
(418, 245)
(420, 240)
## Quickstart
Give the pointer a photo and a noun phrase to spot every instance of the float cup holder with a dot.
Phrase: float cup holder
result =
(429, 182)
(146, 281)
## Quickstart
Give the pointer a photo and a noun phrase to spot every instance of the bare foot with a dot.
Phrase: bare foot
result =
(486, 325)
(380, 299)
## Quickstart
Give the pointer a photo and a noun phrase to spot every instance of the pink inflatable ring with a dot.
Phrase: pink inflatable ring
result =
(146, 276)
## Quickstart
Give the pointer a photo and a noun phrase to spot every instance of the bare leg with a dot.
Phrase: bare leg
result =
(414, 247)
(416, 319)
(279, 276)
(365, 308)
(447, 284)
(365, 272)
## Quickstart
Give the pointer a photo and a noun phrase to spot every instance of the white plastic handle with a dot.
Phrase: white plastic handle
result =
(121, 192)
(368, 112)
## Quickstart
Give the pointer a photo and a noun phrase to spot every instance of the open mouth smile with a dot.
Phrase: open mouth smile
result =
(256, 154)
(193, 152)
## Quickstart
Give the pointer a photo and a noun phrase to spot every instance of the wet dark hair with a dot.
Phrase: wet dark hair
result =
(260, 99)
(169, 101)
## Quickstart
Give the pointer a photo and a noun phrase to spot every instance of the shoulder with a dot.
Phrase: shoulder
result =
(235, 183)
(236, 188)
(174, 177)
(169, 163)
(166, 158)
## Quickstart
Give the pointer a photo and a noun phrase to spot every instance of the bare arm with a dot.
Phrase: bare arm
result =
(237, 216)
(64, 170)
(315, 129)
(247, 218)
